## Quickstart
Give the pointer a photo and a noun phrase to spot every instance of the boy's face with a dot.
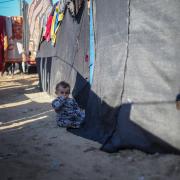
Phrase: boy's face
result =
(61, 91)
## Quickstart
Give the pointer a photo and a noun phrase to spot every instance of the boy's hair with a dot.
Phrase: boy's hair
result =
(63, 84)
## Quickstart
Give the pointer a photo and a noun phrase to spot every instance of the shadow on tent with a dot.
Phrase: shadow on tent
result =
(110, 126)
(113, 127)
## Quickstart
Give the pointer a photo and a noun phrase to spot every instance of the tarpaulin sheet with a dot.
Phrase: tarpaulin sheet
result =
(136, 76)
(67, 60)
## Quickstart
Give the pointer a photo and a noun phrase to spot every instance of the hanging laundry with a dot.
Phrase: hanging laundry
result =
(36, 13)
(25, 30)
(62, 5)
(15, 35)
(47, 35)
(55, 19)
(52, 25)
(2, 32)
(58, 17)
(43, 24)
(71, 7)
(8, 37)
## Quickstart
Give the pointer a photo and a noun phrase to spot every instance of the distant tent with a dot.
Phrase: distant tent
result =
(132, 101)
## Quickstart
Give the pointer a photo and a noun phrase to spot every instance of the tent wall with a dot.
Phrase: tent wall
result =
(152, 76)
(136, 73)
(136, 76)
(67, 60)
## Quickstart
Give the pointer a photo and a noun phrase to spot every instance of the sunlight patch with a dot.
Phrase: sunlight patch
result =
(9, 105)
(40, 97)
(15, 125)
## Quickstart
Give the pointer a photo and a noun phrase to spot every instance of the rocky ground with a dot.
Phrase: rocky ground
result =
(32, 147)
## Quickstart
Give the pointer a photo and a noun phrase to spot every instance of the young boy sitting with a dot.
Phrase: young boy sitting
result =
(68, 112)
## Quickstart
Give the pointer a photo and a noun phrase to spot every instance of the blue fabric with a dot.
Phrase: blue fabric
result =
(92, 54)
(68, 112)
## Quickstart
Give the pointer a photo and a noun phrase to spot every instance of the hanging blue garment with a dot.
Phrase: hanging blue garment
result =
(92, 54)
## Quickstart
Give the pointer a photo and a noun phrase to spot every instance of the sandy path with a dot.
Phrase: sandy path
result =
(32, 147)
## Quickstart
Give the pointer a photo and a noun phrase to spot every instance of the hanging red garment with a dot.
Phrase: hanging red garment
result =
(47, 35)
(2, 32)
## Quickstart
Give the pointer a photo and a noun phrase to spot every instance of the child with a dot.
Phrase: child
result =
(68, 112)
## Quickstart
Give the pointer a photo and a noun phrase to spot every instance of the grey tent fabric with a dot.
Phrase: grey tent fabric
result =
(147, 118)
(110, 45)
(136, 76)
(67, 60)
(152, 76)
(136, 79)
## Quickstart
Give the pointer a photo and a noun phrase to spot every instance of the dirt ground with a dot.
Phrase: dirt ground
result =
(32, 147)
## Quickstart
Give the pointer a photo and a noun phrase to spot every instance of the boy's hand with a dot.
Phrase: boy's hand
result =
(63, 97)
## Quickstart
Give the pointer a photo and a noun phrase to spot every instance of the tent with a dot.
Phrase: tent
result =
(136, 81)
